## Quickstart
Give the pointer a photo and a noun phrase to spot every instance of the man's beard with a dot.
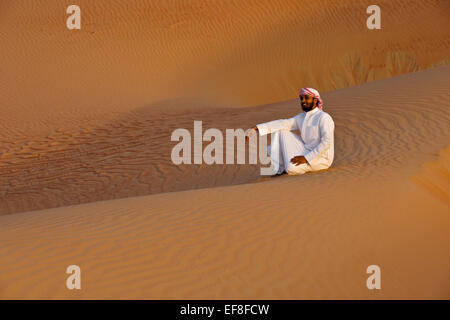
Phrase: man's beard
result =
(307, 107)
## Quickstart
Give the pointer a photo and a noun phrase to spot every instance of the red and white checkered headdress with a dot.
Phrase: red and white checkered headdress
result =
(313, 93)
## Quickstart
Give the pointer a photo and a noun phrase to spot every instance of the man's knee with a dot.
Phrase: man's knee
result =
(294, 170)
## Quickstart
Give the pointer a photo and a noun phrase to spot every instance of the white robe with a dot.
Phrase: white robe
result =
(316, 143)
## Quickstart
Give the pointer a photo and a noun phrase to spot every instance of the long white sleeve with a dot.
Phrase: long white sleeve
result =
(277, 125)
(326, 128)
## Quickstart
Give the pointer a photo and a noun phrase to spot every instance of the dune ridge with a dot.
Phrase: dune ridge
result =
(435, 176)
(307, 237)
(271, 240)
(86, 176)
(227, 53)
(381, 127)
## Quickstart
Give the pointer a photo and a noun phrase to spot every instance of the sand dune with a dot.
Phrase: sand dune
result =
(85, 114)
(311, 236)
(386, 125)
(132, 54)
(435, 176)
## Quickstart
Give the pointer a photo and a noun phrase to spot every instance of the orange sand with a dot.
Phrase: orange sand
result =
(85, 124)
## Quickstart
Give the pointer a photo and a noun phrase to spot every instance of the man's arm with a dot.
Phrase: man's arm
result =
(326, 127)
(277, 125)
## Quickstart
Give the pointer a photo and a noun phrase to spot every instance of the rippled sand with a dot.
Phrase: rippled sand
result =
(86, 176)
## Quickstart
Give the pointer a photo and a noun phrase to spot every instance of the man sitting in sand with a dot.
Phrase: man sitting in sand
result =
(314, 150)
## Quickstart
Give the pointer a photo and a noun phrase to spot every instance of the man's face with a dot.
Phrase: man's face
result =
(307, 102)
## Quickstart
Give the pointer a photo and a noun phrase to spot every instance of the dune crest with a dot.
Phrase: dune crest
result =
(131, 54)
(381, 127)
(86, 177)
(435, 176)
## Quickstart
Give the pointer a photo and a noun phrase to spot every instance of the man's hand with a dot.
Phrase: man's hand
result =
(298, 160)
(255, 128)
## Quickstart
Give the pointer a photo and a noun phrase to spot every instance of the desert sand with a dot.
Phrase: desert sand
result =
(86, 176)
(385, 201)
